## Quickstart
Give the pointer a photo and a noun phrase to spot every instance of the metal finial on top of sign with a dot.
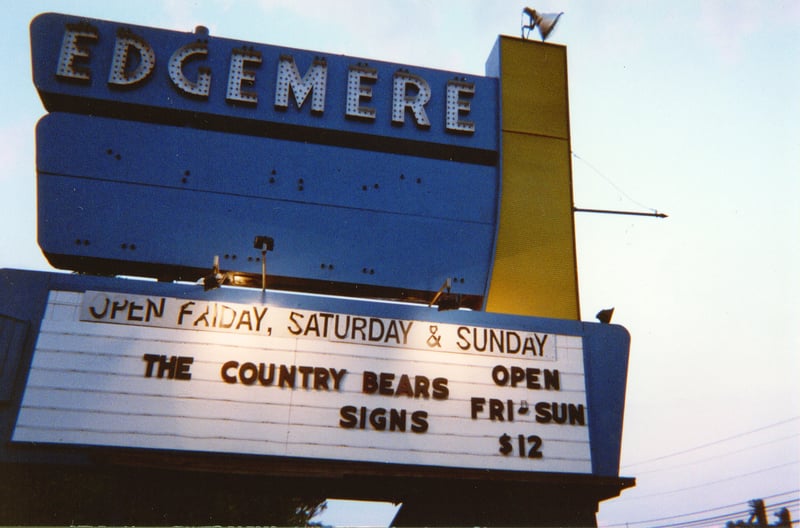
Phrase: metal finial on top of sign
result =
(546, 22)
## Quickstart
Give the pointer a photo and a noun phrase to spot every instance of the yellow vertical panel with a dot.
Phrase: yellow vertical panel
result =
(534, 269)
(534, 87)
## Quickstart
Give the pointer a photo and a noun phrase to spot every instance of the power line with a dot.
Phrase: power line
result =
(700, 522)
(714, 521)
(707, 521)
(726, 479)
(698, 512)
(722, 455)
(709, 510)
(709, 444)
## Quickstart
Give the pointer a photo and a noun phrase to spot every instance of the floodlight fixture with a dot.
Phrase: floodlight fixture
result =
(546, 22)
(604, 316)
(211, 282)
(215, 279)
(264, 243)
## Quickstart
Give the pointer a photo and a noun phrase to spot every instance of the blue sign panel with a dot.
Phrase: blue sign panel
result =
(167, 149)
(106, 68)
(123, 197)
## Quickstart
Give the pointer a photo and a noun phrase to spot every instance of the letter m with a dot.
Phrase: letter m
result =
(289, 80)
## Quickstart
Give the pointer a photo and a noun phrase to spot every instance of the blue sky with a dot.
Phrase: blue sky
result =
(691, 108)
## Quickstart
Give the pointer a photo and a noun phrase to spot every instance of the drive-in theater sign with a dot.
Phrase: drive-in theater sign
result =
(167, 154)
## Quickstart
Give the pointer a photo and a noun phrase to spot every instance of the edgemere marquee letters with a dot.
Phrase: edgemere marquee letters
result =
(190, 72)
(161, 372)
(409, 92)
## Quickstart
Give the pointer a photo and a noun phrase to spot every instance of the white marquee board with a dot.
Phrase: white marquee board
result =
(112, 369)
